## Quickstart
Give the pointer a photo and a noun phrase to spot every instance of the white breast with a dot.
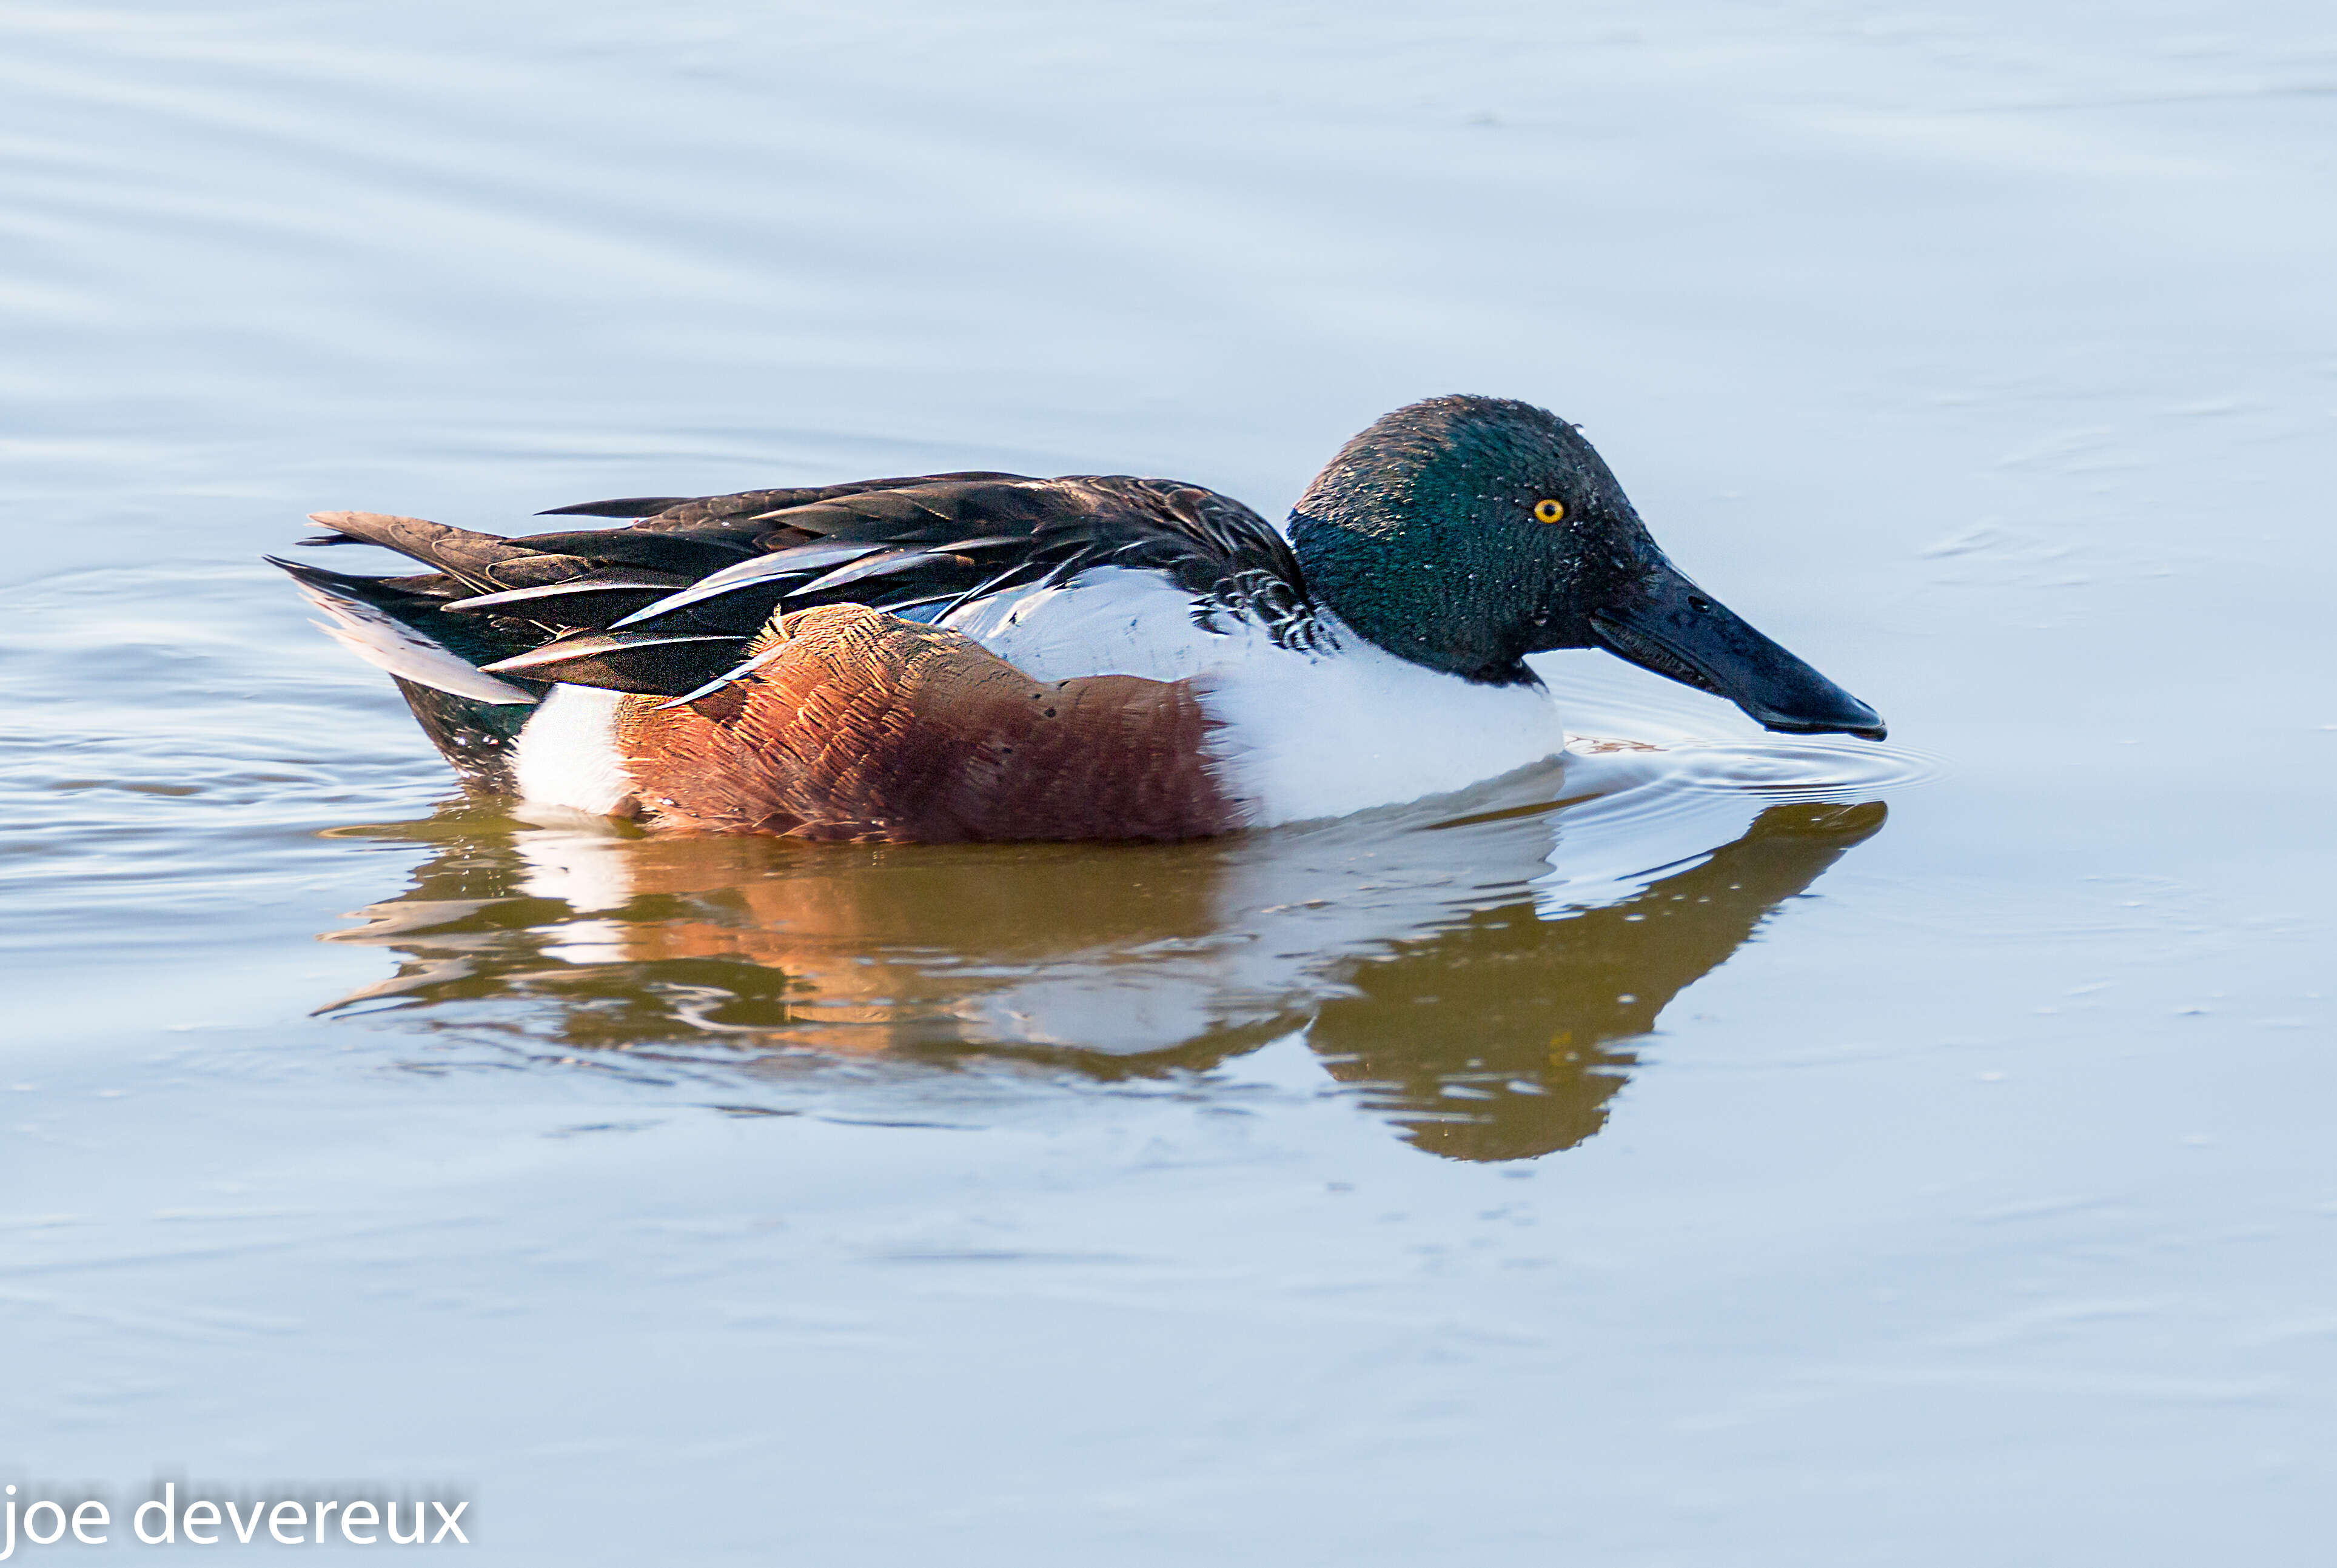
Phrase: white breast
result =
(1362, 728)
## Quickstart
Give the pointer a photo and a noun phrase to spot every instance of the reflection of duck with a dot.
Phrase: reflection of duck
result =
(987, 656)
(1495, 1038)
(1416, 954)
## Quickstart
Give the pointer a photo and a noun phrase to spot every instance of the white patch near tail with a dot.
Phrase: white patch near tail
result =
(567, 755)
(384, 641)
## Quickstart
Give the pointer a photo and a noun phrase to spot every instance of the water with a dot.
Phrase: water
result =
(1747, 1149)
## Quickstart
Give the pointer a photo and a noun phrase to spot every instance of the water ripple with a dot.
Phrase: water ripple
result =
(1799, 768)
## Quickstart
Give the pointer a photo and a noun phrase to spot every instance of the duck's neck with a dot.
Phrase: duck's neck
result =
(1441, 614)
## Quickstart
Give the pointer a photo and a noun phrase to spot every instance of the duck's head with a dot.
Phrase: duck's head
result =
(1466, 533)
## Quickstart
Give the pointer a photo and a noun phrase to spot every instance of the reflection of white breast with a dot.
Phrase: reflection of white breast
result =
(1304, 735)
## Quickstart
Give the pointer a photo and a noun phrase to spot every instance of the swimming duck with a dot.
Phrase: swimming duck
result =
(991, 656)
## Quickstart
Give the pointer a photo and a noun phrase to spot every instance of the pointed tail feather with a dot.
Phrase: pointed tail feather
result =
(386, 643)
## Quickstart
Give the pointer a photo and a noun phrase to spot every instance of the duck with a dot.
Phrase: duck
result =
(989, 656)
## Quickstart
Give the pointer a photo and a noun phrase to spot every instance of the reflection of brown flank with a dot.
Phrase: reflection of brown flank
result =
(847, 949)
(859, 931)
(874, 729)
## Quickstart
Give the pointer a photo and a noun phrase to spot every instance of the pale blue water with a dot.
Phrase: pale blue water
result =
(1802, 1154)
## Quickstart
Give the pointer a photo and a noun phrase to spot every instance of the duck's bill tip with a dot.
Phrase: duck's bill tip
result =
(1869, 728)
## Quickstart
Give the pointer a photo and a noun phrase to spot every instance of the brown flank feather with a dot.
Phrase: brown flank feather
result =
(871, 728)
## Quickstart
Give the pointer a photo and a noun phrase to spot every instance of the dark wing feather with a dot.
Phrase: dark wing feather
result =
(664, 513)
(623, 506)
(925, 545)
(596, 599)
(657, 663)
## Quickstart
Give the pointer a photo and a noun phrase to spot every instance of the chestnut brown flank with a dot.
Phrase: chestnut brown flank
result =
(872, 728)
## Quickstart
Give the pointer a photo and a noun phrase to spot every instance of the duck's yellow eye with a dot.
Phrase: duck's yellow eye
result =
(1550, 511)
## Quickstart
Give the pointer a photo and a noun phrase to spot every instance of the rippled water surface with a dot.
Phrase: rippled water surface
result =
(1709, 1148)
